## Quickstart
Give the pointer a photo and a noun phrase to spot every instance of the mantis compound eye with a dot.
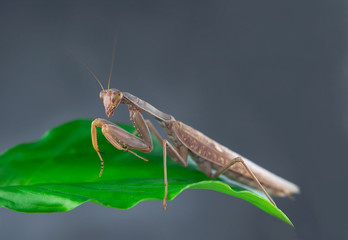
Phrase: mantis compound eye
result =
(116, 97)
(101, 95)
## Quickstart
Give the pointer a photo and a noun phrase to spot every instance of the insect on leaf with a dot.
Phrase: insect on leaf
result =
(60, 172)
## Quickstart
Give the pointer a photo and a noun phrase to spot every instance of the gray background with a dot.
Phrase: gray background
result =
(265, 78)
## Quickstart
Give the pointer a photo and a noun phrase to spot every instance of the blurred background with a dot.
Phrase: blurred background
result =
(267, 79)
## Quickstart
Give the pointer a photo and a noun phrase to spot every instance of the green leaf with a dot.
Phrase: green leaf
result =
(60, 172)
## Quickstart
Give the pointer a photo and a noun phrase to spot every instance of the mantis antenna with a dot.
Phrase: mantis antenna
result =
(112, 62)
(85, 65)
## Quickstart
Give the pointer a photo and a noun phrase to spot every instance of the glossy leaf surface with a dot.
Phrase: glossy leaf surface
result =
(60, 172)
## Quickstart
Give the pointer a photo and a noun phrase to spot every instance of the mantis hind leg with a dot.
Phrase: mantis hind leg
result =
(240, 160)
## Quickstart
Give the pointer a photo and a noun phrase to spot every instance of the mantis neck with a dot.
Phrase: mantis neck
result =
(148, 108)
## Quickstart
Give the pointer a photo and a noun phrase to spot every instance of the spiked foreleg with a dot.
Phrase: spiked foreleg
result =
(122, 139)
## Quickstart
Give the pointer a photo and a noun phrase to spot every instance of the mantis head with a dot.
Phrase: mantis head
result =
(111, 99)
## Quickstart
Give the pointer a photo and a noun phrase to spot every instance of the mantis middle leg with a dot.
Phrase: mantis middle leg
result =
(179, 156)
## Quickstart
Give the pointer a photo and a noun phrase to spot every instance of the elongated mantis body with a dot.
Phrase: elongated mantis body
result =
(183, 141)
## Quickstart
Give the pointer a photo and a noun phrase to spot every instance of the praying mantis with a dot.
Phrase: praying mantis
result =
(212, 158)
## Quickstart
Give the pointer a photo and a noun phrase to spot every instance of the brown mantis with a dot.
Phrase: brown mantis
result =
(184, 141)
